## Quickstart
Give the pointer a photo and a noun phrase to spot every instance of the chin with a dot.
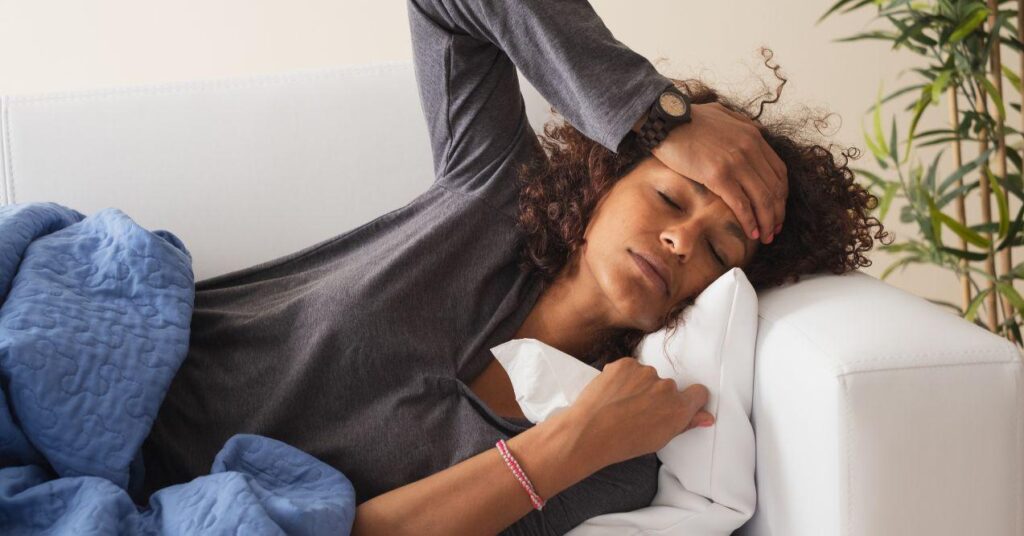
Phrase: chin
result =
(638, 307)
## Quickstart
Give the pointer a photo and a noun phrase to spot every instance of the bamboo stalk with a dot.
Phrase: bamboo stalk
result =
(1005, 262)
(986, 216)
(961, 206)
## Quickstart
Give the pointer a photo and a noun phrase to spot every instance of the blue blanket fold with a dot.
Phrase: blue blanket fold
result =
(94, 323)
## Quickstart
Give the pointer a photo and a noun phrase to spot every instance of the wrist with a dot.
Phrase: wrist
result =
(554, 455)
(640, 122)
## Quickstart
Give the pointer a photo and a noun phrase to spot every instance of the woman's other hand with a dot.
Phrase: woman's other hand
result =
(725, 151)
(628, 411)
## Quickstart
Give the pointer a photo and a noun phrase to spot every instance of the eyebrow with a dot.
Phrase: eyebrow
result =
(730, 227)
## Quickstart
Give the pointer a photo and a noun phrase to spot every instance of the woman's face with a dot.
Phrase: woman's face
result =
(634, 217)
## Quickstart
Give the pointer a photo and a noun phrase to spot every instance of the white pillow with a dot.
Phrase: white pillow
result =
(706, 481)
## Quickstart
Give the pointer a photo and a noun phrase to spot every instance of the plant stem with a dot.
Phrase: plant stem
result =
(1005, 262)
(961, 212)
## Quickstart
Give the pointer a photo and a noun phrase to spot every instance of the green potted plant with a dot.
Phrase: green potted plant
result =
(960, 44)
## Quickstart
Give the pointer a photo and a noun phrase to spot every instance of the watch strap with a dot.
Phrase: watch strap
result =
(658, 123)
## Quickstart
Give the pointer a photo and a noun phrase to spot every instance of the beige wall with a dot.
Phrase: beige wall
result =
(52, 45)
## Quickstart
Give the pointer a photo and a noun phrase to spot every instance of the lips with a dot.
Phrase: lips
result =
(652, 263)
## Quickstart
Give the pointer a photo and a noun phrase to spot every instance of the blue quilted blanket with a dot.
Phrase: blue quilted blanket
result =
(94, 323)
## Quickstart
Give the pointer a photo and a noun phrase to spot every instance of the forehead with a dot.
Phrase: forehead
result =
(730, 225)
(661, 173)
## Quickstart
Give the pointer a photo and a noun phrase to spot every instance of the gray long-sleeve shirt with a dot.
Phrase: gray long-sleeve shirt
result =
(359, 349)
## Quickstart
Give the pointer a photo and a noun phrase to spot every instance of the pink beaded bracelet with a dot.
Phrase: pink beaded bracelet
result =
(538, 502)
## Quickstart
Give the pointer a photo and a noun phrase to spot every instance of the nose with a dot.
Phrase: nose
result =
(679, 240)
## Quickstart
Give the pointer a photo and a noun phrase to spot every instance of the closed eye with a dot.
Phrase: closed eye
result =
(711, 248)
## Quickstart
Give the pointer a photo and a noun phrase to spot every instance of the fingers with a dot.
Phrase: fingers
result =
(761, 186)
(730, 184)
(700, 417)
(773, 173)
(779, 179)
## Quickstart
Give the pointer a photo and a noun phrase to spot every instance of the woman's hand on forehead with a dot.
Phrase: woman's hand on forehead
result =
(725, 151)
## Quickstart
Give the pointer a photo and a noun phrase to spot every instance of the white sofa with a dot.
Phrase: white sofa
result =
(876, 412)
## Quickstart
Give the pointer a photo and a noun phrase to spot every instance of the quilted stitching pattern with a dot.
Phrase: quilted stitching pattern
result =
(94, 323)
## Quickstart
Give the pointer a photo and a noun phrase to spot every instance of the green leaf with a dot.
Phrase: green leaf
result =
(992, 92)
(910, 32)
(879, 154)
(1012, 77)
(969, 24)
(875, 179)
(929, 180)
(957, 192)
(936, 132)
(1004, 209)
(938, 141)
(1011, 294)
(972, 309)
(834, 8)
(893, 143)
(906, 214)
(939, 84)
(957, 227)
(987, 227)
(902, 262)
(1014, 156)
(877, 120)
(965, 169)
(892, 8)
(884, 36)
(1014, 327)
(890, 191)
(919, 107)
(895, 94)
(935, 216)
(1012, 235)
(1011, 185)
(909, 245)
(964, 254)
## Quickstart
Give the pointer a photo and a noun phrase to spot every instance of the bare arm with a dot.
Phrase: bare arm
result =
(480, 495)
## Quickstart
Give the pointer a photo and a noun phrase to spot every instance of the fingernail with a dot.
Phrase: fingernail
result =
(778, 228)
(707, 422)
(755, 234)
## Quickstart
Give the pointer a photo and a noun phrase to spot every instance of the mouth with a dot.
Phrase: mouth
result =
(651, 271)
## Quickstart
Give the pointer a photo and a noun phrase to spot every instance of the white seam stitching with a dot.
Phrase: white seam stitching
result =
(927, 366)
(849, 457)
(840, 365)
(1020, 449)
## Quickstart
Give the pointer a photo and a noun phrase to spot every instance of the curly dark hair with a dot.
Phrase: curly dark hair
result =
(827, 227)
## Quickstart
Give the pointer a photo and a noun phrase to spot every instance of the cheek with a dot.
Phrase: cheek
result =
(622, 286)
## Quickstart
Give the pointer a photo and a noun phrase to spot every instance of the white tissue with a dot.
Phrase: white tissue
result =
(545, 379)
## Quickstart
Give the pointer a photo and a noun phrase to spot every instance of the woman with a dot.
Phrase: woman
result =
(371, 350)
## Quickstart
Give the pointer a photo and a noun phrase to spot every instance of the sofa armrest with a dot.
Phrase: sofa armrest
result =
(877, 412)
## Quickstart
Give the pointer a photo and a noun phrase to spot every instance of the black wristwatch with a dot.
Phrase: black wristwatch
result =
(671, 108)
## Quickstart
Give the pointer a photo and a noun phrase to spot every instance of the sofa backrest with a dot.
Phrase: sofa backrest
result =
(243, 170)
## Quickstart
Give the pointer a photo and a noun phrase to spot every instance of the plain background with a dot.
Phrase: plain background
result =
(59, 45)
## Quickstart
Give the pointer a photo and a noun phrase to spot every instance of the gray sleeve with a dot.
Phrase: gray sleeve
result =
(622, 487)
(466, 53)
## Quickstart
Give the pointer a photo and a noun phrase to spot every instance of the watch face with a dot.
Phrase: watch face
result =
(673, 104)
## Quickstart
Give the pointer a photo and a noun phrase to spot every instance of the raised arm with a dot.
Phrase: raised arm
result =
(466, 54)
